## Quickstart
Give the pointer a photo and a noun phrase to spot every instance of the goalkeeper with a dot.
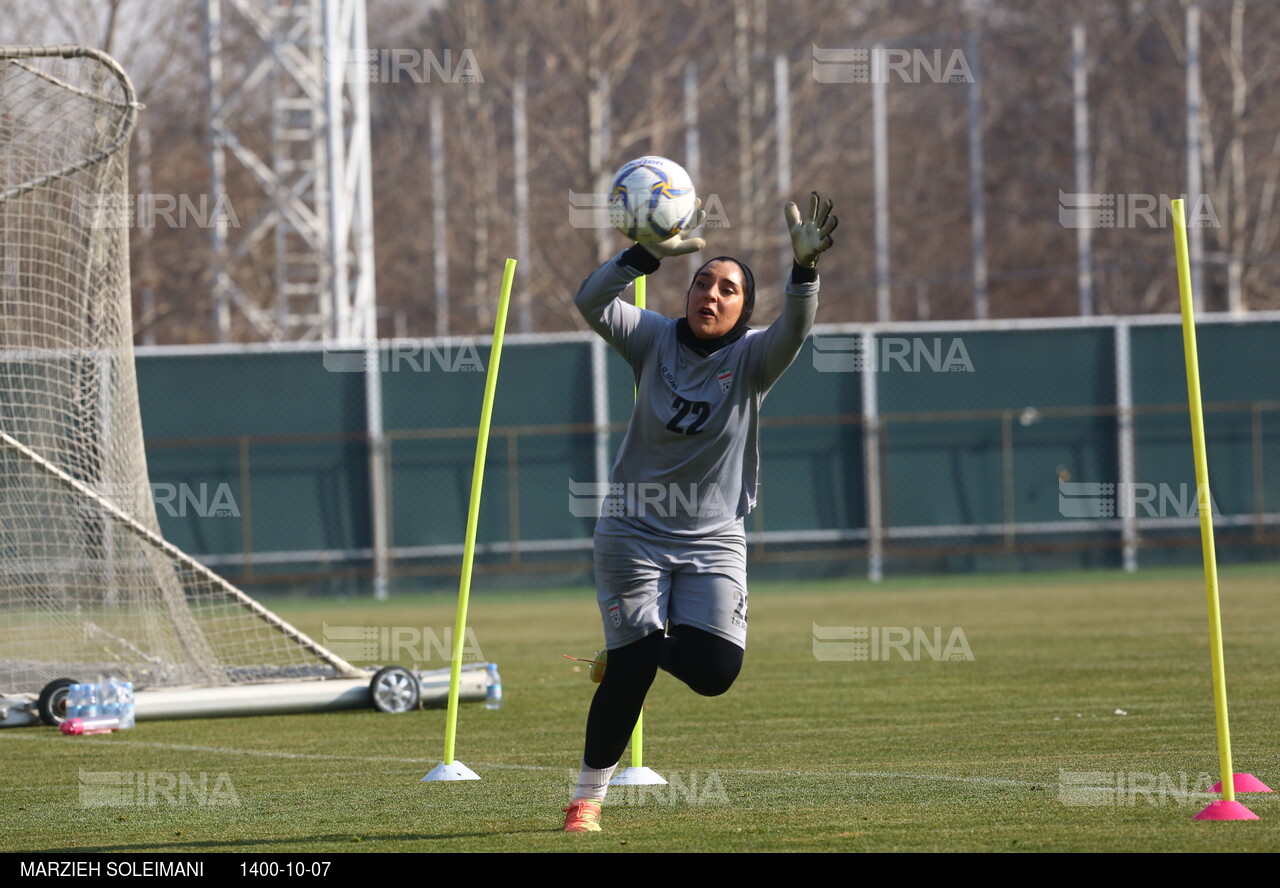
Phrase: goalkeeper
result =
(670, 549)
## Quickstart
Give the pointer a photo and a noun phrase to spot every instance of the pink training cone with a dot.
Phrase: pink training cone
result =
(1224, 810)
(1244, 783)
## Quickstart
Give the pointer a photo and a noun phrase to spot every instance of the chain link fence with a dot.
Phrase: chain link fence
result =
(960, 446)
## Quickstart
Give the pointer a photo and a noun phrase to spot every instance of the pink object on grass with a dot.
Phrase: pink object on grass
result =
(100, 725)
(1224, 810)
(1244, 783)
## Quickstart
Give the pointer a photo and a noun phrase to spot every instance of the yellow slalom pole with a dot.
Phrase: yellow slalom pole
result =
(637, 734)
(1204, 501)
(473, 517)
(637, 742)
(638, 774)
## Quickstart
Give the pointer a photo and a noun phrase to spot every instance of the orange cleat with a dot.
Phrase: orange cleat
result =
(597, 665)
(582, 815)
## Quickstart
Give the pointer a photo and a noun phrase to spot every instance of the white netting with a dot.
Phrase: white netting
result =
(87, 585)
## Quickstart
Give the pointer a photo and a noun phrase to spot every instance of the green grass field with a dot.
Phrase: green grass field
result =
(806, 753)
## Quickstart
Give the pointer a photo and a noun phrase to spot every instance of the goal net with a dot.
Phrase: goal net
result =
(87, 584)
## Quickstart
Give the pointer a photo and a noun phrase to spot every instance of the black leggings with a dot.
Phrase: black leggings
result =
(705, 662)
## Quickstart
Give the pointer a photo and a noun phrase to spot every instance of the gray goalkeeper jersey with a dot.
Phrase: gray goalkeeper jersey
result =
(689, 465)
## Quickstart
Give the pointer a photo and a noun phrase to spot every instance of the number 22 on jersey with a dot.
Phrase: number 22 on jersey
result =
(701, 410)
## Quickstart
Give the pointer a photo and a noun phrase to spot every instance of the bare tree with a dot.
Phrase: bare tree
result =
(604, 83)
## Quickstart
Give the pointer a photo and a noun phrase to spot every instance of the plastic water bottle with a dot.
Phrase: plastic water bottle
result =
(127, 708)
(75, 700)
(117, 701)
(110, 698)
(91, 706)
(493, 693)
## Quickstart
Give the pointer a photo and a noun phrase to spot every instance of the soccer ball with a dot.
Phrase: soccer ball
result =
(651, 199)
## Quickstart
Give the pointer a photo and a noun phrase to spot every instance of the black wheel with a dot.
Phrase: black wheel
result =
(53, 701)
(394, 689)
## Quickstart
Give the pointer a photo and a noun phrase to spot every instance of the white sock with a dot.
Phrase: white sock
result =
(593, 783)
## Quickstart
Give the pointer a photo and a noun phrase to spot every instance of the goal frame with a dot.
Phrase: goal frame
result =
(346, 678)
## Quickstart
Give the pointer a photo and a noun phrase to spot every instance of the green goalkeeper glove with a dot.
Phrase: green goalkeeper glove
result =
(678, 244)
(811, 237)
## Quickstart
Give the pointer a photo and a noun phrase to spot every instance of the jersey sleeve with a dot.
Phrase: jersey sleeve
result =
(773, 350)
(630, 330)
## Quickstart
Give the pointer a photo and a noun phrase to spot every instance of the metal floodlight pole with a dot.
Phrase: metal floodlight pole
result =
(880, 164)
(300, 74)
(782, 92)
(1080, 105)
(1195, 171)
(305, 65)
(692, 141)
(977, 205)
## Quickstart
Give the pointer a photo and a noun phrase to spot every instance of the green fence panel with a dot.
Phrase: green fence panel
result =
(984, 437)
(259, 459)
(283, 420)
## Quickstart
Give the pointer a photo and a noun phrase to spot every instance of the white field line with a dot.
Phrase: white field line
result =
(503, 766)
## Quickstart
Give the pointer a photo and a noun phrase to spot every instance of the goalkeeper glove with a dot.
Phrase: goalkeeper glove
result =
(678, 244)
(811, 237)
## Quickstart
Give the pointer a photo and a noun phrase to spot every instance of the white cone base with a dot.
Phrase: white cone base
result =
(450, 771)
(638, 777)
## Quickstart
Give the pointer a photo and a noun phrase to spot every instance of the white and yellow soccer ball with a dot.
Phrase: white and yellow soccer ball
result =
(651, 199)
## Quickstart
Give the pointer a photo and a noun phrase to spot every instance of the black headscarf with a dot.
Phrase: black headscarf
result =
(706, 347)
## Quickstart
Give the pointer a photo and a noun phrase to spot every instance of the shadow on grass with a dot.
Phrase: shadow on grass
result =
(258, 844)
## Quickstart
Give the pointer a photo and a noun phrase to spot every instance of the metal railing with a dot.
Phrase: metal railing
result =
(873, 537)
